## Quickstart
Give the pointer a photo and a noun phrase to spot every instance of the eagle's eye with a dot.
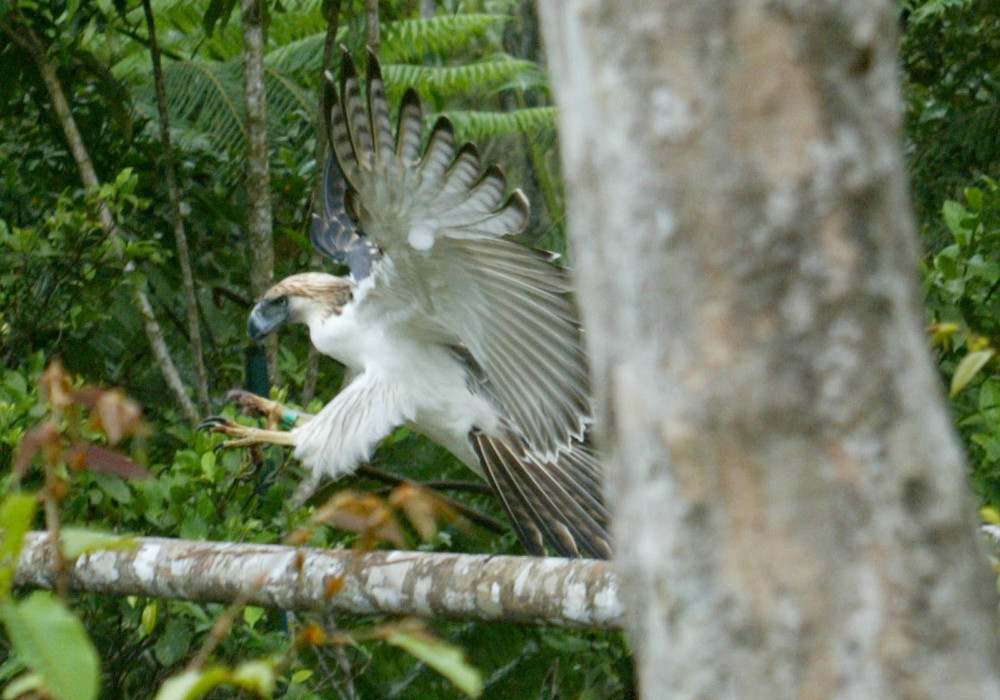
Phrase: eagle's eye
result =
(281, 301)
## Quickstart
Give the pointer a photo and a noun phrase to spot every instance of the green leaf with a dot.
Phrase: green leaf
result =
(115, 487)
(148, 619)
(252, 614)
(79, 540)
(17, 512)
(54, 644)
(22, 685)
(257, 676)
(446, 659)
(208, 465)
(302, 675)
(974, 196)
(194, 528)
(968, 368)
(174, 643)
(218, 12)
(989, 395)
(191, 685)
(954, 215)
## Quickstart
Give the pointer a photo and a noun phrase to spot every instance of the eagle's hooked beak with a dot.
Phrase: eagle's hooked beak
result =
(267, 317)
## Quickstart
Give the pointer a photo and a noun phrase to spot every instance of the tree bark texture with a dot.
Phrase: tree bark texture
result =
(259, 217)
(535, 590)
(22, 34)
(180, 236)
(372, 33)
(792, 517)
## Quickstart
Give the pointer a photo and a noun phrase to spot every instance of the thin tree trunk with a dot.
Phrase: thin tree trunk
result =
(371, 25)
(25, 37)
(792, 517)
(535, 590)
(331, 10)
(260, 216)
(180, 237)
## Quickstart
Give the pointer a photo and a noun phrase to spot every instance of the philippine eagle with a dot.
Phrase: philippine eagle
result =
(447, 325)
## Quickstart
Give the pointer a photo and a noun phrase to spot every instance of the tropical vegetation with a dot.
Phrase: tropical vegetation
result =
(69, 285)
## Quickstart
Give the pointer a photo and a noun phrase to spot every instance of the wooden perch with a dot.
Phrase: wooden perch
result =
(551, 591)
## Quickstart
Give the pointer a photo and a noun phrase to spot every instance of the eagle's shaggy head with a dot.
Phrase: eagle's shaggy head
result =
(309, 298)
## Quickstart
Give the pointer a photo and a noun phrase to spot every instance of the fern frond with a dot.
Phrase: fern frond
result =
(302, 58)
(410, 39)
(479, 78)
(481, 126)
(205, 103)
(285, 95)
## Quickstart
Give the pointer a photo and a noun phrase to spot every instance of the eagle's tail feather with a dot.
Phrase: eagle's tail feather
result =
(548, 501)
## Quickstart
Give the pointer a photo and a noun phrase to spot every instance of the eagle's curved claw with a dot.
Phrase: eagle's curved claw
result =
(212, 422)
(230, 428)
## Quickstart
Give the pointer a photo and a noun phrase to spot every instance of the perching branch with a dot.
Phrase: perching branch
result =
(183, 256)
(550, 591)
(25, 37)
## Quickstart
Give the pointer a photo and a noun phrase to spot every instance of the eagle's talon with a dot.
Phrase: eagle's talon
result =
(243, 435)
(213, 422)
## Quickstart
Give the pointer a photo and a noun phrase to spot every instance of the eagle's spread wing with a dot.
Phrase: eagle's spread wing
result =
(440, 220)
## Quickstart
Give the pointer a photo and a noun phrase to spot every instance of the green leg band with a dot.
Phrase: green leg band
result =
(288, 419)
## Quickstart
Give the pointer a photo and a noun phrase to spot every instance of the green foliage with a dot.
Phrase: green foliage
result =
(962, 282)
(54, 274)
(483, 77)
(950, 51)
(476, 126)
(17, 513)
(962, 278)
(201, 493)
(444, 658)
(255, 676)
(50, 639)
(411, 39)
(65, 290)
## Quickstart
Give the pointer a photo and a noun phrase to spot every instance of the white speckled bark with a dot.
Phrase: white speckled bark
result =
(792, 519)
(562, 592)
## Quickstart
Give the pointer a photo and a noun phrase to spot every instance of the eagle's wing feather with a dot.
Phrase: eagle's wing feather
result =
(545, 499)
(334, 232)
(441, 220)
